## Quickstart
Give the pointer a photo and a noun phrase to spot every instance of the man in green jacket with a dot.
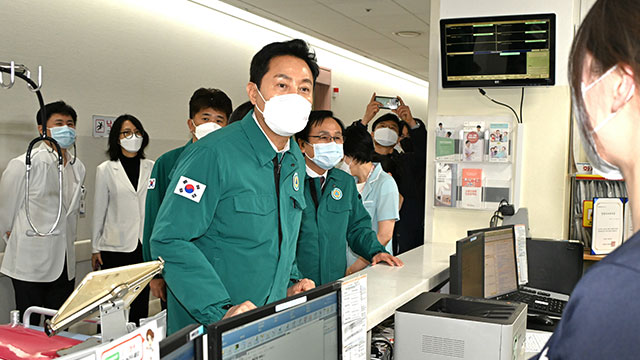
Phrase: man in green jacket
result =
(334, 215)
(209, 110)
(229, 222)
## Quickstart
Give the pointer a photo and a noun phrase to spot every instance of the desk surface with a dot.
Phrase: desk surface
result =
(388, 288)
(590, 257)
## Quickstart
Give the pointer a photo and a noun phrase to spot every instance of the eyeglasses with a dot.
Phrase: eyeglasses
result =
(339, 139)
(128, 134)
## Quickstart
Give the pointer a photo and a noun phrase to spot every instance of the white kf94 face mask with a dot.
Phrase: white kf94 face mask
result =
(385, 136)
(286, 114)
(133, 144)
(205, 129)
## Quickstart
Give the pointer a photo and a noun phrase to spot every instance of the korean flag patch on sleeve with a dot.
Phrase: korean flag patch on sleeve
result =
(190, 189)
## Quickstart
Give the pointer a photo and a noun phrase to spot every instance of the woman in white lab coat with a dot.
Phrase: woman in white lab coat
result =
(42, 269)
(120, 194)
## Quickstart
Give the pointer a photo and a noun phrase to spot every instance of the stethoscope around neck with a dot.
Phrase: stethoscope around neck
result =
(22, 72)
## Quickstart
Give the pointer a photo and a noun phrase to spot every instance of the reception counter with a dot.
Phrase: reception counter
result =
(388, 288)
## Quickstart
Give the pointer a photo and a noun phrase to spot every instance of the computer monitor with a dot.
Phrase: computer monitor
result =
(512, 50)
(469, 265)
(185, 344)
(306, 326)
(554, 265)
(500, 270)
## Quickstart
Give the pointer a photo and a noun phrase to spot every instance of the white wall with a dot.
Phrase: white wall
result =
(545, 185)
(146, 58)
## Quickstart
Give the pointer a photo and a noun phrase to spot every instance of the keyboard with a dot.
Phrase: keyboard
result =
(539, 302)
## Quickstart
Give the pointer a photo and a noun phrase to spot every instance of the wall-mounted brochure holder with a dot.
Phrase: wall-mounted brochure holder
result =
(476, 161)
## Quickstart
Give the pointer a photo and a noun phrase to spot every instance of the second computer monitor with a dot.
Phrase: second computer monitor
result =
(500, 269)
(470, 263)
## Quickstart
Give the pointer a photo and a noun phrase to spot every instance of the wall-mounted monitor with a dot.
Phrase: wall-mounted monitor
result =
(517, 50)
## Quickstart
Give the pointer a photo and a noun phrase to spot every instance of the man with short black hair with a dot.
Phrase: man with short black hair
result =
(229, 223)
(42, 268)
(209, 110)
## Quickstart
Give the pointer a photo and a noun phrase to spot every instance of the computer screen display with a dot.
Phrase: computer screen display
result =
(500, 272)
(310, 329)
(470, 252)
(515, 50)
(185, 344)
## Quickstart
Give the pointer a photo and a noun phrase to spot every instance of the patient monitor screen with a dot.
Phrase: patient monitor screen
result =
(500, 276)
(311, 331)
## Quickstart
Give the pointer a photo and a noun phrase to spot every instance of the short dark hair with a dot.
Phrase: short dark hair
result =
(114, 150)
(295, 47)
(204, 98)
(358, 144)
(58, 107)
(386, 117)
(317, 117)
(240, 112)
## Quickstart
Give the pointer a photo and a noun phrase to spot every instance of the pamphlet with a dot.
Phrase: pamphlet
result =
(446, 186)
(472, 146)
(608, 225)
(521, 254)
(471, 189)
(445, 148)
(499, 142)
(444, 132)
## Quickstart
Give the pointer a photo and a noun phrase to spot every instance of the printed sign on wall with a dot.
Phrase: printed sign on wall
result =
(102, 125)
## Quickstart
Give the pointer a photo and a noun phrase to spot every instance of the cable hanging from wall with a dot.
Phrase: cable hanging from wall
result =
(518, 118)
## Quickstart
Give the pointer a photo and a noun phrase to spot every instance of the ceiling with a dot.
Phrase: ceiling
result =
(365, 27)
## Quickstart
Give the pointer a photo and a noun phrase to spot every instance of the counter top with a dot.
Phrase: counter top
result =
(388, 288)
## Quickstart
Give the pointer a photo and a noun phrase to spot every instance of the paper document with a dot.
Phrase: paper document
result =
(521, 252)
(536, 340)
(354, 318)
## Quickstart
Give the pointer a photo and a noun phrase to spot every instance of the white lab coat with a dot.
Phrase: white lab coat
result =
(118, 209)
(34, 258)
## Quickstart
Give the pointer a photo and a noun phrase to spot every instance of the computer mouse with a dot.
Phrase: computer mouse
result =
(540, 319)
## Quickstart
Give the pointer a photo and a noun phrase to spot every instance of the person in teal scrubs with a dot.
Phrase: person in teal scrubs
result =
(334, 215)
(209, 110)
(378, 189)
(228, 226)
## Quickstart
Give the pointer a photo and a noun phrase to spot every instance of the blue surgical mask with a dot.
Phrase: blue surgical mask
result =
(327, 155)
(64, 135)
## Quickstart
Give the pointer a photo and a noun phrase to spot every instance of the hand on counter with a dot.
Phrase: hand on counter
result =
(387, 258)
(239, 309)
(301, 286)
